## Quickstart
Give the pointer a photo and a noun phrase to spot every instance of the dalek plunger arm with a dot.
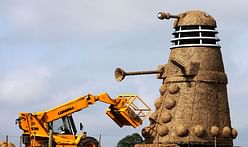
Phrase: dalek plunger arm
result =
(120, 74)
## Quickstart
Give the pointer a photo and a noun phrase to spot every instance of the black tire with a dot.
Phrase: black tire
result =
(88, 142)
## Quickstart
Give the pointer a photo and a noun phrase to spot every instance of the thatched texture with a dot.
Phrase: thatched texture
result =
(193, 106)
(5, 144)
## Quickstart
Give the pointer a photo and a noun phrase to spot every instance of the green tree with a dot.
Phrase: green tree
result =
(130, 140)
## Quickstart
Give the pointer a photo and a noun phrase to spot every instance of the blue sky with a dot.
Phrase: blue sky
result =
(54, 51)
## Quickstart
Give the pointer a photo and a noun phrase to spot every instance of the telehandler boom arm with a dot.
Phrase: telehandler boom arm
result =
(77, 105)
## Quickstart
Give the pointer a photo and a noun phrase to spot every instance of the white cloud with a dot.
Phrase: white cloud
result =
(24, 84)
(23, 15)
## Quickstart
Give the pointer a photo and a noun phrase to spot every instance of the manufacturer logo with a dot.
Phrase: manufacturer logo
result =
(66, 110)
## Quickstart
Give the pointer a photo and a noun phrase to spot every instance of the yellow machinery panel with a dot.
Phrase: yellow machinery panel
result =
(131, 111)
(128, 110)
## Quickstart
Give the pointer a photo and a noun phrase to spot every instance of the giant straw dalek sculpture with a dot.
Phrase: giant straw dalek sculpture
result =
(193, 107)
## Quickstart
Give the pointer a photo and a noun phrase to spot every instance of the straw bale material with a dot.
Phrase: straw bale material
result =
(234, 133)
(173, 88)
(227, 132)
(5, 144)
(169, 103)
(162, 89)
(215, 131)
(199, 130)
(153, 117)
(158, 103)
(181, 131)
(166, 117)
(163, 130)
(193, 107)
(156, 145)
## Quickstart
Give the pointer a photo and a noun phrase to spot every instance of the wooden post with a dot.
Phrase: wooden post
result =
(50, 141)
(100, 140)
(214, 141)
(33, 142)
(7, 139)
(21, 141)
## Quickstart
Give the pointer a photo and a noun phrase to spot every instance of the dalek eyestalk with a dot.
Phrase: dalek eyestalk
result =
(163, 15)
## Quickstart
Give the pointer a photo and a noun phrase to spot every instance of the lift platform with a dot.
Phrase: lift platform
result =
(131, 111)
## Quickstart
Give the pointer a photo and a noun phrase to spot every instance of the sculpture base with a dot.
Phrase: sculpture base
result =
(156, 145)
(176, 145)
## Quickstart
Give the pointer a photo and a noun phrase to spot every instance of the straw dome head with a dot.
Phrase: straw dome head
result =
(194, 18)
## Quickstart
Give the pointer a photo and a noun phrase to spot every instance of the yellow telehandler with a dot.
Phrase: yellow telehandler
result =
(56, 127)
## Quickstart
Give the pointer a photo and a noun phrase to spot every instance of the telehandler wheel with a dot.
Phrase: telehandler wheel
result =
(88, 142)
